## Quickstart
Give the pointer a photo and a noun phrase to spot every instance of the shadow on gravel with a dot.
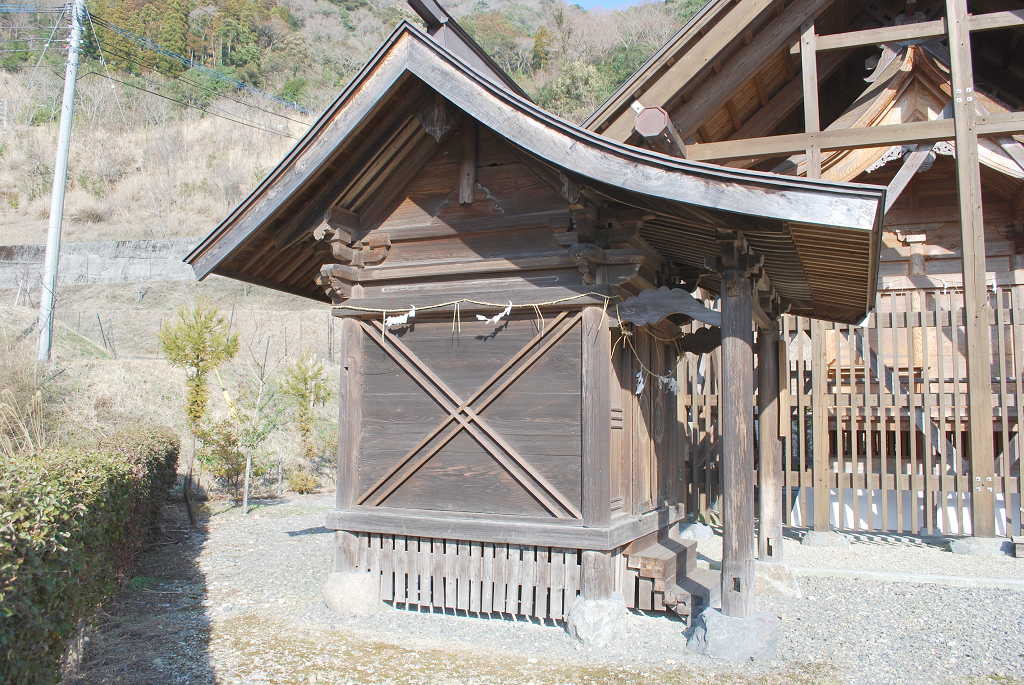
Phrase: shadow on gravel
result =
(155, 629)
(318, 530)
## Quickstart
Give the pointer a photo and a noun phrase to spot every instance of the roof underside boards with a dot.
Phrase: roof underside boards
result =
(370, 144)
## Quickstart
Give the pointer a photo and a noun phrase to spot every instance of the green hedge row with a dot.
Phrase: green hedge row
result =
(71, 524)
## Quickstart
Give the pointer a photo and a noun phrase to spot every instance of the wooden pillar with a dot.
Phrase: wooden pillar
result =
(737, 393)
(819, 428)
(769, 462)
(349, 418)
(972, 231)
(596, 570)
(349, 414)
(809, 79)
(819, 411)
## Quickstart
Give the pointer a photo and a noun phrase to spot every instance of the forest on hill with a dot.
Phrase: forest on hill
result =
(205, 98)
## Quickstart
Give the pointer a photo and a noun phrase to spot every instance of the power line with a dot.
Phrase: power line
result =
(206, 110)
(33, 9)
(142, 168)
(150, 45)
(31, 79)
(122, 55)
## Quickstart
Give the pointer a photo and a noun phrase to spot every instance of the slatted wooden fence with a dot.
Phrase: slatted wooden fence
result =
(481, 577)
(897, 406)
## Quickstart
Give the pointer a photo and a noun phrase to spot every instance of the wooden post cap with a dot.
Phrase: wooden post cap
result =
(652, 121)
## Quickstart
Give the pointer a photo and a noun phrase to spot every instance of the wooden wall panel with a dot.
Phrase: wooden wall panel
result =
(463, 477)
(540, 416)
(509, 188)
(652, 430)
(537, 414)
(396, 414)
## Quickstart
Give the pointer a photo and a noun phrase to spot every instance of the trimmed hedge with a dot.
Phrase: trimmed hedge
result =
(71, 524)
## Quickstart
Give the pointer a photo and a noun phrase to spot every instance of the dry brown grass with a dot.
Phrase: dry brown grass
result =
(89, 394)
(175, 173)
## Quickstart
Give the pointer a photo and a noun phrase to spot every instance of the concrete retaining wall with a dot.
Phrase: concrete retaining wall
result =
(108, 262)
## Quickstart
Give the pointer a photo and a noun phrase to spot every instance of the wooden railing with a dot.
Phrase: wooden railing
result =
(896, 399)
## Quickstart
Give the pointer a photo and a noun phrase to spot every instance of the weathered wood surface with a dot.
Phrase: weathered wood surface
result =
(535, 447)
(972, 224)
(471, 576)
(350, 415)
(621, 166)
(769, 456)
(597, 579)
(498, 528)
(652, 306)
(596, 417)
(738, 543)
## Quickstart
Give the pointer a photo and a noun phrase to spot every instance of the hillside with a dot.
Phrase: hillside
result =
(167, 152)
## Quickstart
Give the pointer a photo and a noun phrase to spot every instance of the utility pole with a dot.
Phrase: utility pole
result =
(60, 172)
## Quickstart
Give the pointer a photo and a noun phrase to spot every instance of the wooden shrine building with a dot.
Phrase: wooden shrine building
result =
(909, 422)
(514, 298)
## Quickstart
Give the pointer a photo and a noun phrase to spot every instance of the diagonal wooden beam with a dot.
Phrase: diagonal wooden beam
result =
(479, 428)
(446, 422)
(911, 163)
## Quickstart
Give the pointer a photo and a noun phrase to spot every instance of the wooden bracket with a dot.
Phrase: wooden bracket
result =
(337, 223)
(338, 279)
(736, 262)
(335, 282)
(701, 341)
(606, 267)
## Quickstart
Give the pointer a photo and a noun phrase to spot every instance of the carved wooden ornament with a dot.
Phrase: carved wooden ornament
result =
(651, 306)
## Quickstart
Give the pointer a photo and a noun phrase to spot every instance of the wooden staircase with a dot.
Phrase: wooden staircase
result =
(670, 566)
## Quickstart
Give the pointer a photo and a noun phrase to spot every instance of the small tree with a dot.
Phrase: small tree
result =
(306, 386)
(198, 342)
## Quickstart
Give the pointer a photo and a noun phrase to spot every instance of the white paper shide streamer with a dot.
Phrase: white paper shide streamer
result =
(400, 320)
(639, 382)
(495, 319)
(670, 382)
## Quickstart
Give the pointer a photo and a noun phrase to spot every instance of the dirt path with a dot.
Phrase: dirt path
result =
(241, 603)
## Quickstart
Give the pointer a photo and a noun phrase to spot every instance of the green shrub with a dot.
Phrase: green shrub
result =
(71, 524)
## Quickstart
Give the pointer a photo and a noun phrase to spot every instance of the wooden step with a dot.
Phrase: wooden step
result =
(664, 560)
(694, 593)
(1018, 546)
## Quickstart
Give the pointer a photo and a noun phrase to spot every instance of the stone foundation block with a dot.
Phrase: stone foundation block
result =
(776, 579)
(736, 639)
(598, 622)
(817, 538)
(352, 594)
(695, 531)
(981, 547)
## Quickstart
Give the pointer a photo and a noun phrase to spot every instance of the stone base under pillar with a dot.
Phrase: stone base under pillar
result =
(981, 547)
(825, 538)
(352, 594)
(736, 639)
(598, 622)
(776, 579)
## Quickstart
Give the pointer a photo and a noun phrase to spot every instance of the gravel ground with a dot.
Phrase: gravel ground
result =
(240, 603)
(905, 554)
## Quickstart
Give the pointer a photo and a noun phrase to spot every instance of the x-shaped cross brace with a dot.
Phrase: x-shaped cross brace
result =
(466, 417)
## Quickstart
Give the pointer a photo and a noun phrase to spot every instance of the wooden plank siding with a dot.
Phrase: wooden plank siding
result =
(485, 578)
